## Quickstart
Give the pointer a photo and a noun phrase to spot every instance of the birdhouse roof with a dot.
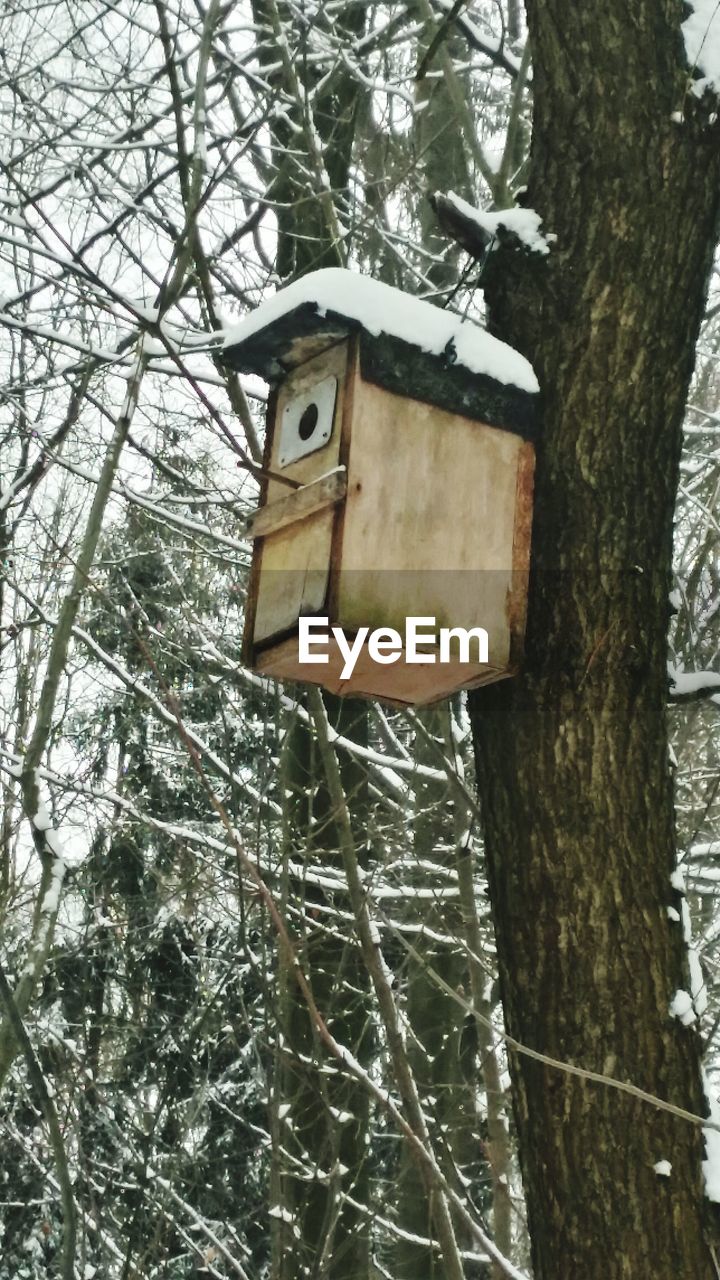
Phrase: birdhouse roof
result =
(406, 345)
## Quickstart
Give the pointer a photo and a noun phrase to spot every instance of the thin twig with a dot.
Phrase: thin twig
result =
(39, 1083)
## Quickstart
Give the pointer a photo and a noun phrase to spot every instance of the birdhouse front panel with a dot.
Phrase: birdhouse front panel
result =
(410, 496)
(304, 439)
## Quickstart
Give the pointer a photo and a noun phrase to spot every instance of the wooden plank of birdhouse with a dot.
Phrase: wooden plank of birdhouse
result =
(295, 560)
(412, 686)
(429, 519)
(247, 646)
(298, 505)
(401, 684)
(522, 535)
(294, 574)
(330, 363)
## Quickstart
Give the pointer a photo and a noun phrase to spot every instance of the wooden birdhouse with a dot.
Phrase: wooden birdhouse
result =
(395, 513)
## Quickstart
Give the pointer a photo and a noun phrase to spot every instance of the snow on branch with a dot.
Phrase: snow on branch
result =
(477, 230)
(701, 30)
(693, 686)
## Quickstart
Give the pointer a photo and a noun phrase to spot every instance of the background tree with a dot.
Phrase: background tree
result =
(573, 766)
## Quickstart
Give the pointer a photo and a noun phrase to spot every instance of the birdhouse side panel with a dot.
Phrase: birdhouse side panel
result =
(294, 575)
(429, 520)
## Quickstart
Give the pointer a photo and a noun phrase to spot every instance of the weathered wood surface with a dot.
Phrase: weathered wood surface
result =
(406, 546)
(304, 502)
(295, 560)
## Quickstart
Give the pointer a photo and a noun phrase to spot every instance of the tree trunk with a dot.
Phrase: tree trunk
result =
(572, 755)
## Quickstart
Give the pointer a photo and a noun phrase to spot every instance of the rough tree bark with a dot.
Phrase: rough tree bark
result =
(573, 762)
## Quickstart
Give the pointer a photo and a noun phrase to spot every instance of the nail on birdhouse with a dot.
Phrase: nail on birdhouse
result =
(398, 474)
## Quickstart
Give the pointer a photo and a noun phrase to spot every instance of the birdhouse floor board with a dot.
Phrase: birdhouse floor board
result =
(399, 684)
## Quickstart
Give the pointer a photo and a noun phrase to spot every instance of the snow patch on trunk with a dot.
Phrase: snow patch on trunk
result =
(681, 1006)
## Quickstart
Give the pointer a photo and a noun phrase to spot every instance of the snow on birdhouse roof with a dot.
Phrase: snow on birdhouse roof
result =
(406, 345)
(380, 309)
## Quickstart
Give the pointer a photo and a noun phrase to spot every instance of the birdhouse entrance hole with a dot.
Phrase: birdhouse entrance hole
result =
(307, 421)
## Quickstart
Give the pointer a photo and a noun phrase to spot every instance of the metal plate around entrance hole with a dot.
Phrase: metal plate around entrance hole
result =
(307, 421)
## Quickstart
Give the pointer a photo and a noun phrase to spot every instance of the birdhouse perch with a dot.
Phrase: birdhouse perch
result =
(407, 435)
